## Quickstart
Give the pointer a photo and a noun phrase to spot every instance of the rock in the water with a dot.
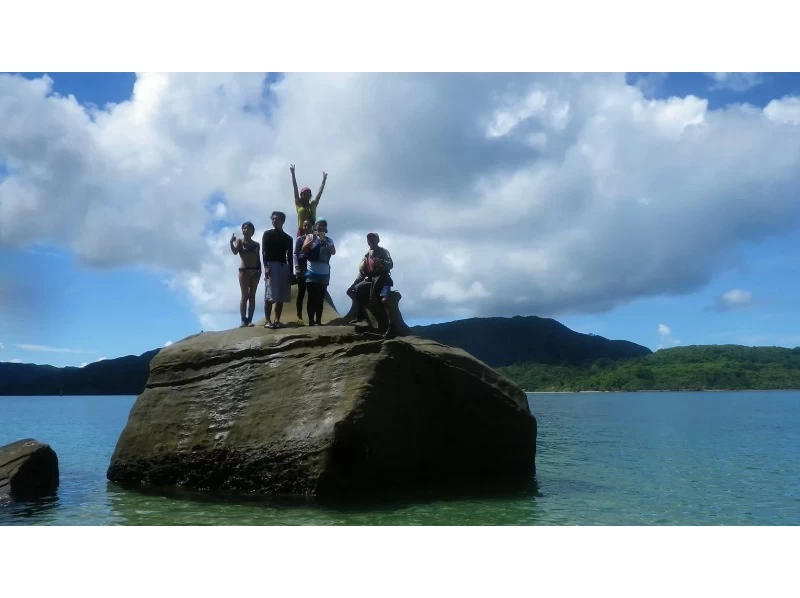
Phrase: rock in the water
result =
(28, 470)
(322, 411)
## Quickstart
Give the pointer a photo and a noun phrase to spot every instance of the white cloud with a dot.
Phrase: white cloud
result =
(16, 360)
(665, 337)
(220, 210)
(453, 292)
(84, 364)
(168, 343)
(101, 359)
(569, 191)
(47, 349)
(737, 82)
(734, 299)
(785, 110)
(2, 346)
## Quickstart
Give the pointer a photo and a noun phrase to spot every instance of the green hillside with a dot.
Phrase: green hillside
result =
(701, 367)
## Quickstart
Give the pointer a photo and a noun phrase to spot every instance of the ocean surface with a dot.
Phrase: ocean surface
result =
(714, 458)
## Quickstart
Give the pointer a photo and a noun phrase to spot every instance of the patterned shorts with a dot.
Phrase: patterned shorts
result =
(278, 288)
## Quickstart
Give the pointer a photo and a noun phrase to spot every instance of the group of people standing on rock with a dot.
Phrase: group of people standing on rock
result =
(305, 261)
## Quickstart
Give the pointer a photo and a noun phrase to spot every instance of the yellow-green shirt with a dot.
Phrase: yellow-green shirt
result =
(308, 212)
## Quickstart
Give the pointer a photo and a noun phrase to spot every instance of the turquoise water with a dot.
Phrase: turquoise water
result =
(603, 459)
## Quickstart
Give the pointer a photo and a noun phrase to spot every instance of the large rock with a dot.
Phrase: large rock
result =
(289, 313)
(28, 470)
(322, 411)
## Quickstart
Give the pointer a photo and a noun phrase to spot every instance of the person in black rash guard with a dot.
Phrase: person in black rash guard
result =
(300, 262)
(276, 251)
(374, 282)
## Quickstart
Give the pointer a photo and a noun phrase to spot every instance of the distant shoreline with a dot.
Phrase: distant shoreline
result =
(527, 392)
(575, 392)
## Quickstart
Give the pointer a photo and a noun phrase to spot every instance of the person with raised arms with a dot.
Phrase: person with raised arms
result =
(306, 209)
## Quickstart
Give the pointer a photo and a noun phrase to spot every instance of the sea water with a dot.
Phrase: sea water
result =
(716, 458)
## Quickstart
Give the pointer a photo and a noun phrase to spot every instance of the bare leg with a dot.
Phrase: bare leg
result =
(385, 301)
(268, 311)
(278, 311)
(251, 309)
(244, 286)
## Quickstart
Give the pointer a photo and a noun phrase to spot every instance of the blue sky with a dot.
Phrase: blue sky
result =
(69, 301)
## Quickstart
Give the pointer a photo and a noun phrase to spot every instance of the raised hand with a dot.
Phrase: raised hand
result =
(233, 238)
(291, 168)
(324, 175)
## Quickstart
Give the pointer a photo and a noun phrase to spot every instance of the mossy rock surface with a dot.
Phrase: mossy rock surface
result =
(321, 411)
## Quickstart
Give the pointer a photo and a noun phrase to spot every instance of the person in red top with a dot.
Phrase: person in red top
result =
(374, 281)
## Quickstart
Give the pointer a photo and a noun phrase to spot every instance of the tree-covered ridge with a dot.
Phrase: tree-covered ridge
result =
(500, 342)
(701, 367)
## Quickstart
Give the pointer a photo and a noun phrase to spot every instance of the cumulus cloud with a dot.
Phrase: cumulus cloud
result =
(737, 82)
(496, 194)
(665, 337)
(784, 111)
(733, 300)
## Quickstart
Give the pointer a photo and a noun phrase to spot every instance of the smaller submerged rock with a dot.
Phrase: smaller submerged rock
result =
(28, 470)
